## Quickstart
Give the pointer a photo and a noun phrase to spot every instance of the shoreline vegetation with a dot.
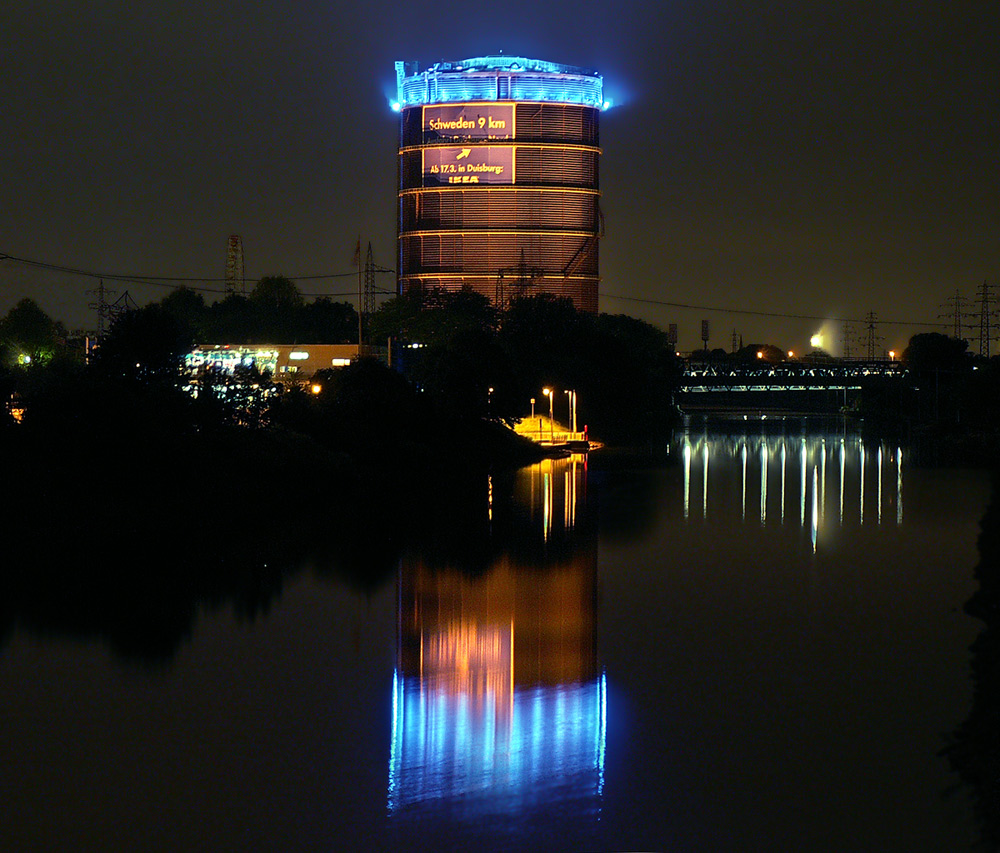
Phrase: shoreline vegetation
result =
(133, 503)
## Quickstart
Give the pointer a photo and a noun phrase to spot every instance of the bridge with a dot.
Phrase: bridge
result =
(784, 386)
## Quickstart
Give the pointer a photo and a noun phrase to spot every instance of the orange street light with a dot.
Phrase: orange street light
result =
(552, 428)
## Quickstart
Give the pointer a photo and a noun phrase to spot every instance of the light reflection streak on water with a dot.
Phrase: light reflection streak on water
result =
(546, 505)
(843, 459)
(706, 452)
(861, 504)
(822, 478)
(899, 485)
(879, 500)
(686, 454)
(783, 461)
(763, 481)
(802, 484)
(855, 461)
(478, 754)
(815, 510)
(743, 454)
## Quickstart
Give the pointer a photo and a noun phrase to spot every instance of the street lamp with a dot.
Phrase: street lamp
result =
(892, 355)
(552, 430)
(572, 410)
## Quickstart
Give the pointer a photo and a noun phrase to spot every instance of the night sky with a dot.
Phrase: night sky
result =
(808, 159)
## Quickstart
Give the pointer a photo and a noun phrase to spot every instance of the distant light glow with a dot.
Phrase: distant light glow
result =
(298, 356)
(816, 341)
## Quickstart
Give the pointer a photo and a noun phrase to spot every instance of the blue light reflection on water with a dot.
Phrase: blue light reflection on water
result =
(492, 754)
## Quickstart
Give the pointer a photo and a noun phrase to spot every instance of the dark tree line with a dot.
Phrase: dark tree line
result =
(623, 370)
(274, 312)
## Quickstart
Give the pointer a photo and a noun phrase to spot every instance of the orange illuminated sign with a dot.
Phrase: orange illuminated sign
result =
(469, 121)
(471, 164)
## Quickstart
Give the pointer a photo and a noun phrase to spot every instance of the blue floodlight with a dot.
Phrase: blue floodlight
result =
(489, 78)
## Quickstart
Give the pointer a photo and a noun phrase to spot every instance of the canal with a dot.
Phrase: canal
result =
(756, 642)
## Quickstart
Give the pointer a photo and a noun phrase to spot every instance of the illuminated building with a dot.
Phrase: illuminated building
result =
(498, 178)
(285, 362)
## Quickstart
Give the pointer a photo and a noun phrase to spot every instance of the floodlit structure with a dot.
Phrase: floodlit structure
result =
(498, 178)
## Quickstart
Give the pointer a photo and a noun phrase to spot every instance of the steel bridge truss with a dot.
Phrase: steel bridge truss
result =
(702, 378)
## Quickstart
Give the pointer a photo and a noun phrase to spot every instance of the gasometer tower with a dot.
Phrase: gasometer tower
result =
(498, 178)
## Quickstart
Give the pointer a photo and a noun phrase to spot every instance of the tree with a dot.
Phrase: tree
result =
(28, 335)
(432, 317)
(230, 321)
(276, 293)
(933, 351)
(189, 307)
(275, 304)
(146, 346)
(324, 321)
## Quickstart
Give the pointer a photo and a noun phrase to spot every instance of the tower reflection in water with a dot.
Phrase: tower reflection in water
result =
(498, 707)
(813, 480)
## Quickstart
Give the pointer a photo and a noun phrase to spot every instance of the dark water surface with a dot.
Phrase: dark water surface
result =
(756, 646)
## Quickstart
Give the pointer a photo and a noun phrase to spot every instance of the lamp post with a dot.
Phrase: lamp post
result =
(572, 410)
(552, 430)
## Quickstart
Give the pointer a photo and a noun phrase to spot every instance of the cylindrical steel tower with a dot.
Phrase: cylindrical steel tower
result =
(498, 178)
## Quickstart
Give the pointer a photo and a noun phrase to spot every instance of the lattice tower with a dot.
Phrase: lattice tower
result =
(368, 307)
(872, 339)
(514, 282)
(986, 318)
(102, 306)
(957, 314)
(236, 281)
(846, 338)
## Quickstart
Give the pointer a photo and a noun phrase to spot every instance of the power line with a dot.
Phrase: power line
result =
(140, 278)
(182, 281)
(767, 313)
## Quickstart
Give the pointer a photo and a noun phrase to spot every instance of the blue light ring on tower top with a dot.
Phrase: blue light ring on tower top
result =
(500, 78)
